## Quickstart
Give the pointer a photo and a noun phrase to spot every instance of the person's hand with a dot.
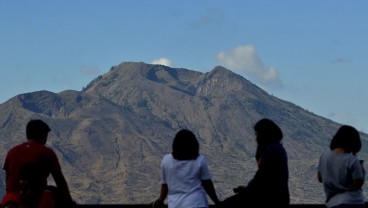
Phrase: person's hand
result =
(239, 189)
(72, 204)
(218, 203)
(156, 204)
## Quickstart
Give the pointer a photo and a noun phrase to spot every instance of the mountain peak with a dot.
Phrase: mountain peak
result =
(220, 69)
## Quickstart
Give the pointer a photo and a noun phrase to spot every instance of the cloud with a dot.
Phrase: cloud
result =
(162, 61)
(245, 60)
(90, 70)
(212, 17)
(340, 61)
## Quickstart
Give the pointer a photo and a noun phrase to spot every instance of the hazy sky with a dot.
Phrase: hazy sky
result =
(310, 52)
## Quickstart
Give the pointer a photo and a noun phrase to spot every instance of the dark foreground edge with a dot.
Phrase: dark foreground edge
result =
(146, 206)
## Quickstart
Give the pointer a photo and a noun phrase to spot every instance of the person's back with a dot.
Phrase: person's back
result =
(184, 180)
(27, 167)
(340, 171)
(270, 183)
(333, 169)
(25, 154)
(269, 186)
(32, 184)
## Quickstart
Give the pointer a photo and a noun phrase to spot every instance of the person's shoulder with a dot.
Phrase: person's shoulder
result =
(16, 147)
(46, 149)
(20, 145)
(327, 151)
(350, 156)
(276, 147)
(201, 158)
(167, 157)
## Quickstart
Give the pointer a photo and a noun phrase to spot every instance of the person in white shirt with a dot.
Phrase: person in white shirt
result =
(185, 178)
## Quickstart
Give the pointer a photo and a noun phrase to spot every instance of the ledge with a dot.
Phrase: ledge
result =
(211, 206)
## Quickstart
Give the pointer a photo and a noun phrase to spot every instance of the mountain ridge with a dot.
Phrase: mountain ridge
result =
(110, 136)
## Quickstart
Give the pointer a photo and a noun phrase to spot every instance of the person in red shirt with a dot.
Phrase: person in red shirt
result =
(27, 167)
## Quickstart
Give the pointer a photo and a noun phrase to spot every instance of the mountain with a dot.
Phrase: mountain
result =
(111, 136)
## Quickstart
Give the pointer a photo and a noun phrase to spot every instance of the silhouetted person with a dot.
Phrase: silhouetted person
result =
(27, 167)
(269, 186)
(185, 178)
(340, 171)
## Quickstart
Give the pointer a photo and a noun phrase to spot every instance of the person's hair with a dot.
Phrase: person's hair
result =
(37, 129)
(347, 138)
(185, 146)
(267, 131)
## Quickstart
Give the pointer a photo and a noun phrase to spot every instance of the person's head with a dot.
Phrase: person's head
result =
(185, 145)
(267, 132)
(37, 130)
(347, 138)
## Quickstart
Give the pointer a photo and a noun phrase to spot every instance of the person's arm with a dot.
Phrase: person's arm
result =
(240, 189)
(210, 189)
(319, 177)
(6, 168)
(62, 185)
(163, 194)
(58, 177)
(359, 181)
(263, 173)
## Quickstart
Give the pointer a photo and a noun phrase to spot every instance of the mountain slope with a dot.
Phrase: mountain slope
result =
(110, 137)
